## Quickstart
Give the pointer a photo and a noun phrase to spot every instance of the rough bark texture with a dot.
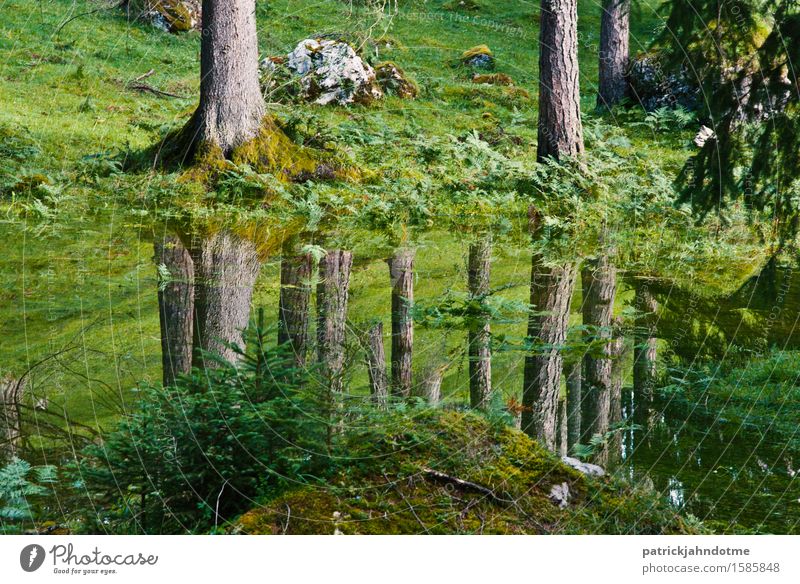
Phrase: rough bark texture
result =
(175, 306)
(614, 32)
(332, 294)
(599, 281)
(225, 268)
(376, 364)
(645, 351)
(479, 336)
(401, 273)
(573, 372)
(563, 430)
(617, 351)
(231, 104)
(551, 295)
(560, 130)
(293, 306)
(11, 393)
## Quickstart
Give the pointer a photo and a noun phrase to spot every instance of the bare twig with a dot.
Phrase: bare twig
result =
(145, 88)
(410, 506)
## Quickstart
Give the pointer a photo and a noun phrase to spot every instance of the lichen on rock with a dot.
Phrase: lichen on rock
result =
(168, 15)
(330, 71)
(478, 57)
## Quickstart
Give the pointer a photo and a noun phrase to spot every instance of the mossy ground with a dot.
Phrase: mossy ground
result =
(385, 487)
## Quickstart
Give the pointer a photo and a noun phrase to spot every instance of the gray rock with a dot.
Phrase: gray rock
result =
(586, 468)
(654, 87)
(560, 495)
(331, 72)
(703, 135)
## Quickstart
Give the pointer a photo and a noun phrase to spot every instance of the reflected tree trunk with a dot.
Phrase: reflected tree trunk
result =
(617, 353)
(550, 299)
(479, 336)
(175, 306)
(376, 363)
(573, 372)
(563, 430)
(599, 280)
(225, 267)
(294, 303)
(401, 273)
(645, 350)
(332, 296)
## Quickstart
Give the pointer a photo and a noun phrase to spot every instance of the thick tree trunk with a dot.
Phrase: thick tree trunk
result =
(551, 295)
(332, 294)
(645, 350)
(401, 273)
(599, 279)
(293, 306)
(479, 336)
(175, 306)
(225, 267)
(560, 130)
(614, 29)
(376, 364)
(231, 104)
(573, 372)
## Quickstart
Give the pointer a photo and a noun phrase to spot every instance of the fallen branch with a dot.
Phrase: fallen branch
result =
(145, 88)
(467, 485)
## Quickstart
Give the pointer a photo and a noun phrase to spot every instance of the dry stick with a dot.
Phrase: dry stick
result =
(285, 526)
(407, 502)
(144, 87)
(490, 494)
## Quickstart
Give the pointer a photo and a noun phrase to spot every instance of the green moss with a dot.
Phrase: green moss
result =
(387, 488)
(475, 51)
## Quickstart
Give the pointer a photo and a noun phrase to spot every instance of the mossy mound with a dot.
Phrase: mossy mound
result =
(446, 472)
(174, 15)
(478, 57)
(493, 79)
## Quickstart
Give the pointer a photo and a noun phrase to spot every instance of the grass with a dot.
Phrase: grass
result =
(75, 263)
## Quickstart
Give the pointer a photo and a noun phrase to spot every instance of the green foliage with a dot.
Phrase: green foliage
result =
(191, 456)
(23, 489)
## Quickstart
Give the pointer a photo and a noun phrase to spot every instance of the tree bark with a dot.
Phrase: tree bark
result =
(573, 372)
(401, 273)
(560, 129)
(479, 336)
(617, 352)
(226, 267)
(599, 279)
(551, 296)
(645, 349)
(563, 429)
(12, 392)
(332, 295)
(176, 307)
(376, 364)
(231, 103)
(293, 306)
(614, 32)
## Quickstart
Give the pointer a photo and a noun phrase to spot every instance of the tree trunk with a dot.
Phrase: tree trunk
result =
(332, 294)
(376, 364)
(431, 385)
(645, 349)
(12, 392)
(293, 306)
(560, 130)
(551, 296)
(401, 273)
(617, 352)
(479, 336)
(175, 306)
(573, 372)
(563, 429)
(231, 103)
(614, 29)
(599, 279)
(226, 267)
